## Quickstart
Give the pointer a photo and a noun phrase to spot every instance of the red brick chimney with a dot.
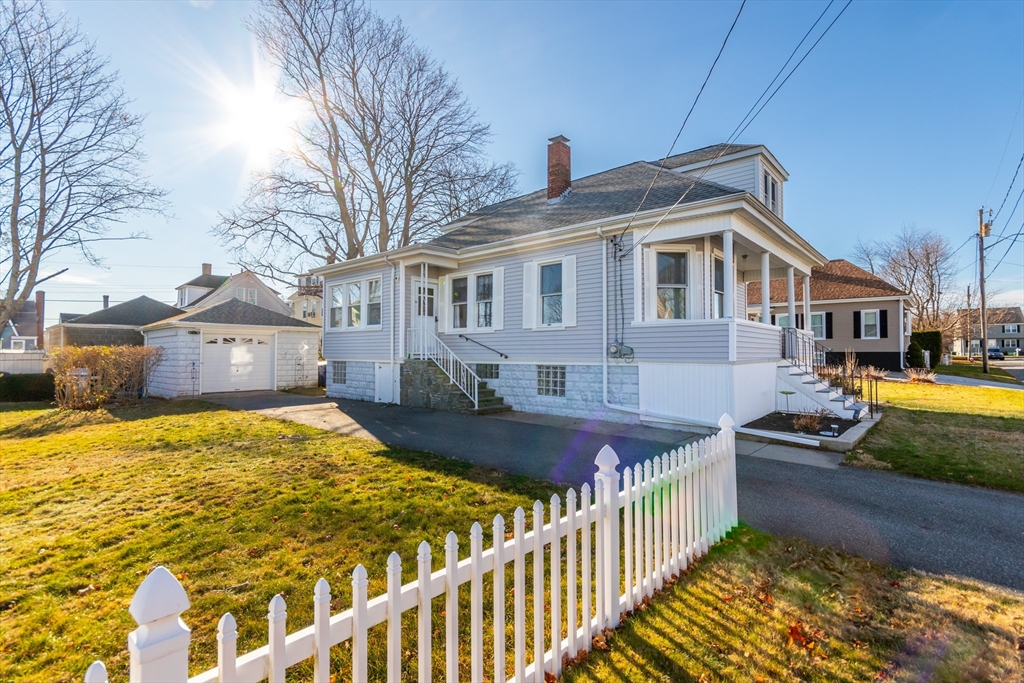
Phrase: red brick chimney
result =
(40, 311)
(559, 167)
(106, 301)
(207, 269)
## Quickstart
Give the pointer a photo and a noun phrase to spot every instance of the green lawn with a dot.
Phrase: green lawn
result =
(241, 507)
(962, 368)
(969, 435)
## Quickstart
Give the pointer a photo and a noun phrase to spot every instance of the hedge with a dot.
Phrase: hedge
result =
(29, 387)
(929, 340)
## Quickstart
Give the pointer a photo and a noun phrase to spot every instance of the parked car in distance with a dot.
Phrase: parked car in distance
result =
(995, 354)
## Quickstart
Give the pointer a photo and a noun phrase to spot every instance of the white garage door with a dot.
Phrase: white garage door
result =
(237, 363)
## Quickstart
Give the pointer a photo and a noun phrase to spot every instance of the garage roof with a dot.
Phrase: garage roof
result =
(238, 312)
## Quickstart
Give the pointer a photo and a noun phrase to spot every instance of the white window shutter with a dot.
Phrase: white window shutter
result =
(441, 304)
(650, 284)
(530, 296)
(498, 307)
(569, 291)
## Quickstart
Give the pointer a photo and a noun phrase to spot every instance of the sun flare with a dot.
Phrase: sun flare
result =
(257, 119)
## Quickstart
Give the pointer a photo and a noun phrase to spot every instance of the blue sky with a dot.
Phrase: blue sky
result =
(901, 114)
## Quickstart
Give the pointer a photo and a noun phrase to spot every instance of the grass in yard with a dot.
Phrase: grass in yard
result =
(762, 609)
(239, 506)
(307, 391)
(962, 368)
(968, 435)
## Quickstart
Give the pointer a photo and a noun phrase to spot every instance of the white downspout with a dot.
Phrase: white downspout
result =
(642, 413)
(392, 334)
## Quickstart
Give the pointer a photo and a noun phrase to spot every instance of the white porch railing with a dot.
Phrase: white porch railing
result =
(673, 510)
(426, 345)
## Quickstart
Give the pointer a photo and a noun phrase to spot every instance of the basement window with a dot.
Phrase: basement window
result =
(551, 380)
(487, 370)
(339, 372)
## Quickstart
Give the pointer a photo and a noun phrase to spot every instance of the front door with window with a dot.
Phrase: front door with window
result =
(424, 313)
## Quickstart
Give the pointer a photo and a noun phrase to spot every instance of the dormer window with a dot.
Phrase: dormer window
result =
(770, 192)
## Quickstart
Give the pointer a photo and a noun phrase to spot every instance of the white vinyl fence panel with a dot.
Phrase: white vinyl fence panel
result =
(22, 362)
(672, 510)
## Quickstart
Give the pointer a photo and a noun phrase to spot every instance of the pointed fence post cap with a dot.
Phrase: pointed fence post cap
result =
(607, 460)
(726, 422)
(96, 673)
(159, 596)
(359, 576)
(226, 626)
(322, 588)
(277, 606)
(451, 541)
(394, 561)
(476, 531)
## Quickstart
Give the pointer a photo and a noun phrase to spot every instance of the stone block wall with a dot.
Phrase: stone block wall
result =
(424, 385)
(359, 381)
(297, 354)
(584, 397)
(173, 377)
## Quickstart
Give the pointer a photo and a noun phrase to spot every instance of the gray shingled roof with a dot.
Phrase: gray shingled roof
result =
(703, 154)
(68, 317)
(611, 193)
(238, 312)
(209, 281)
(137, 312)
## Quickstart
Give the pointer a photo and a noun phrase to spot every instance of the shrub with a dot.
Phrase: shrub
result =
(921, 376)
(871, 372)
(915, 355)
(811, 422)
(928, 340)
(29, 387)
(86, 377)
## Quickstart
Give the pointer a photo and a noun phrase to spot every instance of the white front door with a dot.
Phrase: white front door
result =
(233, 362)
(424, 314)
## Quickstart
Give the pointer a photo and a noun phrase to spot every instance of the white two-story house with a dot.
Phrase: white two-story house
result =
(617, 296)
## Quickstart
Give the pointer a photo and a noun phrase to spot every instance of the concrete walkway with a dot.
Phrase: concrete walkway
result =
(932, 526)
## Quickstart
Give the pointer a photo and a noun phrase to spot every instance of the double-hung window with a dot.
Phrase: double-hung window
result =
(818, 325)
(869, 324)
(719, 288)
(551, 294)
(672, 285)
(355, 305)
(474, 301)
(248, 295)
(770, 191)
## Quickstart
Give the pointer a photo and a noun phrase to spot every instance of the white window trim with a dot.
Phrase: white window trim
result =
(651, 281)
(863, 323)
(20, 345)
(532, 297)
(364, 304)
(497, 301)
(824, 323)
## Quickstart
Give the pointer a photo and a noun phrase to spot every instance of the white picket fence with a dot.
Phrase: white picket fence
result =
(671, 510)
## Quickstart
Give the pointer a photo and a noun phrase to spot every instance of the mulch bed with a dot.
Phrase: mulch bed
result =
(783, 422)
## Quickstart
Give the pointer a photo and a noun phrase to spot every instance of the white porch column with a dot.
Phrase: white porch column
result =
(730, 275)
(766, 288)
(807, 303)
(791, 296)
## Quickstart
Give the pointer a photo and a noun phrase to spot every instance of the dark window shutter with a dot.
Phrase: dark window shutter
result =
(773, 318)
(883, 324)
(828, 325)
(856, 324)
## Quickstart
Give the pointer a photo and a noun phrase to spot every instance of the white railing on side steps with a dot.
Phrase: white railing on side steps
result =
(673, 509)
(427, 345)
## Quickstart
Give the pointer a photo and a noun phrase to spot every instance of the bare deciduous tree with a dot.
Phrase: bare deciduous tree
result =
(69, 148)
(922, 264)
(390, 151)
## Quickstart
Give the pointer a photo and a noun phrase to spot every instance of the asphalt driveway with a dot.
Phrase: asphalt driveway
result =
(936, 527)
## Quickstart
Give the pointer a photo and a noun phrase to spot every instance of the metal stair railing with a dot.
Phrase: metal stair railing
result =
(427, 345)
(800, 349)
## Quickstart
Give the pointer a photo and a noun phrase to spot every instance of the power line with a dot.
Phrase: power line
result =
(1008, 219)
(687, 118)
(1009, 189)
(1006, 146)
(738, 131)
(1008, 248)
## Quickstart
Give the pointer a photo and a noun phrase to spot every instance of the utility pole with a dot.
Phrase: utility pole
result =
(982, 232)
(969, 331)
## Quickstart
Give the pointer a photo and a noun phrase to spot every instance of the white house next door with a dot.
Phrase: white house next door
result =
(233, 362)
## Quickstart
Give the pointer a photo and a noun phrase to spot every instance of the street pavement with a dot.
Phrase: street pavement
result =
(932, 526)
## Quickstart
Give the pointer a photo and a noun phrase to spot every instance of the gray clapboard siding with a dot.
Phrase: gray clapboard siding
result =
(360, 344)
(741, 174)
(757, 343)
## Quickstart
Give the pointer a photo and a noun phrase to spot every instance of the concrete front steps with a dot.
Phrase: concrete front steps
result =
(812, 390)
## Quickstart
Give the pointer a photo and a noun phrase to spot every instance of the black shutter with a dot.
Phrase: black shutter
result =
(856, 324)
(883, 324)
(773, 318)
(828, 325)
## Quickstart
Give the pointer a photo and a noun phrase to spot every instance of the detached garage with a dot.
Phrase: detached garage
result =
(232, 346)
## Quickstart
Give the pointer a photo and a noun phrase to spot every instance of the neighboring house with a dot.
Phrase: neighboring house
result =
(850, 309)
(232, 346)
(565, 303)
(307, 300)
(24, 331)
(116, 325)
(208, 290)
(1005, 331)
